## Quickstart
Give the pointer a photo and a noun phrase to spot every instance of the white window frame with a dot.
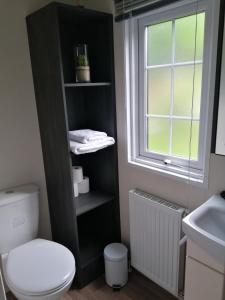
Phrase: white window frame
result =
(134, 37)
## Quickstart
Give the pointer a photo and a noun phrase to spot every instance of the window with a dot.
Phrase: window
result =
(170, 118)
(173, 73)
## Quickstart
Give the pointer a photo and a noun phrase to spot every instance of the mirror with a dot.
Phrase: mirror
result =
(220, 136)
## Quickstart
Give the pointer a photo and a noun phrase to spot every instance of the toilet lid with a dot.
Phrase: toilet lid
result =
(39, 266)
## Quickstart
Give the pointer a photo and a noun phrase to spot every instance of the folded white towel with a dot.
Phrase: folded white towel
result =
(86, 135)
(79, 148)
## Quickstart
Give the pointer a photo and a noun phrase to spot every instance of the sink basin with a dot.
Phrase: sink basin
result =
(206, 227)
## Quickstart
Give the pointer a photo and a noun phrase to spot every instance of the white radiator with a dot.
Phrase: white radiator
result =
(155, 233)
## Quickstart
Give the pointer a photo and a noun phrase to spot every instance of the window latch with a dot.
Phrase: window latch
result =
(168, 162)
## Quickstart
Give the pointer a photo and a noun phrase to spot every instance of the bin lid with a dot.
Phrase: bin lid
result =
(115, 252)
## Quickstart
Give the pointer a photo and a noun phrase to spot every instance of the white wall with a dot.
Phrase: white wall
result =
(102, 5)
(20, 147)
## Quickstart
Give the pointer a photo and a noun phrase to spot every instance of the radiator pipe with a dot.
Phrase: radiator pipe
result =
(183, 240)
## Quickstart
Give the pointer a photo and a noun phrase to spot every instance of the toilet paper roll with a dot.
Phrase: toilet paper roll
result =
(83, 186)
(75, 188)
(77, 174)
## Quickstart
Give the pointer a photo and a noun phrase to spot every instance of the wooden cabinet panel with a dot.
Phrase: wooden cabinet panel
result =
(202, 283)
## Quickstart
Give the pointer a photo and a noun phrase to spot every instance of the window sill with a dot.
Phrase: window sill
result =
(189, 177)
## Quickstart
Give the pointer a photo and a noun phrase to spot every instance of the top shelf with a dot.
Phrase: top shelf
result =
(86, 84)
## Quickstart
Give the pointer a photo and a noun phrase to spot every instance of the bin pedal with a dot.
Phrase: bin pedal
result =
(116, 287)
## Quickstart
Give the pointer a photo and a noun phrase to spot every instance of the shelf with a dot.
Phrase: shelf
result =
(88, 84)
(90, 201)
(90, 221)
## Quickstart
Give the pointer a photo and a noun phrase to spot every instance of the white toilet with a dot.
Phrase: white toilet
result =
(33, 268)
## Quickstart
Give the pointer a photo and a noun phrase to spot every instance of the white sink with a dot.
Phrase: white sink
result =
(206, 227)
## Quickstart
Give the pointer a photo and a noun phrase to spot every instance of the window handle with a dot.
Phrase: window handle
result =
(168, 162)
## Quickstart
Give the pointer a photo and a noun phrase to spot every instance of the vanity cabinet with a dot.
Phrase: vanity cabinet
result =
(204, 278)
(85, 224)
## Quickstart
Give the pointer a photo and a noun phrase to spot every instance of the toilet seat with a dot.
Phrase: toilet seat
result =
(43, 294)
(39, 267)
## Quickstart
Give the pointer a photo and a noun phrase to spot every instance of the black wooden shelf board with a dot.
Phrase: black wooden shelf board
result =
(88, 84)
(90, 201)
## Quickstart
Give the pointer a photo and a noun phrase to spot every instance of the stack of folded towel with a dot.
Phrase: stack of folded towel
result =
(87, 140)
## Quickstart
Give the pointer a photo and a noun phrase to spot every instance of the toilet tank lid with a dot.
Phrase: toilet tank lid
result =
(14, 194)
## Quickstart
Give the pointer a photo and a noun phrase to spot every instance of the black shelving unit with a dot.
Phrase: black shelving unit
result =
(85, 224)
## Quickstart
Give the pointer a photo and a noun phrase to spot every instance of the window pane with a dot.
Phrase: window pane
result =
(159, 43)
(183, 88)
(159, 86)
(158, 135)
(181, 139)
(185, 29)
